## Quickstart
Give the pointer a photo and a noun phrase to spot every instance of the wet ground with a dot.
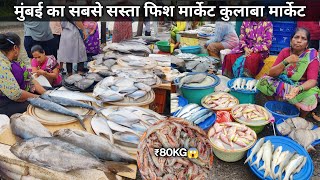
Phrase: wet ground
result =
(222, 170)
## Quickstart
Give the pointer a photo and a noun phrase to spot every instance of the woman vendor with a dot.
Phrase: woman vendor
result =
(16, 83)
(294, 74)
(247, 58)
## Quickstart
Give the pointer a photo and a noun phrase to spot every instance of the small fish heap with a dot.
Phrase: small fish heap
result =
(243, 84)
(139, 75)
(113, 89)
(83, 82)
(220, 101)
(288, 162)
(300, 130)
(194, 113)
(174, 103)
(249, 113)
(174, 133)
(231, 136)
(127, 123)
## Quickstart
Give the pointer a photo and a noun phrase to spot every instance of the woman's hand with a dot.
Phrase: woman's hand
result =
(247, 51)
(40, 72)
(292, 59)
(293, 93)
(85, 34)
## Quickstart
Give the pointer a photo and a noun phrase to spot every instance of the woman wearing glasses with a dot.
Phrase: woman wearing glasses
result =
(16, 83)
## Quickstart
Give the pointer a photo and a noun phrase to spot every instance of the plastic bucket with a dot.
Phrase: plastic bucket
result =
(195, 94)
(281, 110)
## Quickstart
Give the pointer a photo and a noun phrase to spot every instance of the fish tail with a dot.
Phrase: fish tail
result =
(266, 173)
(81, 120)
(247, 160)
(98, 110)
(115, 167)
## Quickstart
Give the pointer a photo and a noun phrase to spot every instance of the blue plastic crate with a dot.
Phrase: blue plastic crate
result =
(281, 40)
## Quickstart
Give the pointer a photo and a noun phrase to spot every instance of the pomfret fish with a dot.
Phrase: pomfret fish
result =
(27, 127)
(73, 78)
(143, 86)
(84, 83)
(123, 116)
(54, 107)
(94, 76)
(109, 63)
(100, 126)
(254, 150)
(67, 102)
(128, 89)
(137, 63)
(138, 127)
(65, 157)
(197, 78)
(100, 147)
(137, 94)
(111, 96)
(127, 137)
(106, 73)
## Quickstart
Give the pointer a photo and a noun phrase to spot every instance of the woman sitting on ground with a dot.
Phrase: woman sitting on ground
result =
(225, 37)
(247, 58)
(16, 83)
(46, 66)
(294, 74)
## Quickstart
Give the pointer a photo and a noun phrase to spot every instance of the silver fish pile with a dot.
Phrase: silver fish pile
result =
(139, 75)
(113, 89)
(129, 123)
(186, 56)
(174, 133)
(288, 162)
(231, 135)
(27, 127)
(194, 78)
(243, 84)
(137, 61)
(83, 82)
(64, 157)
(194, 113)
(54, 107)
(300, 130)
(100, 147)
(127, 48)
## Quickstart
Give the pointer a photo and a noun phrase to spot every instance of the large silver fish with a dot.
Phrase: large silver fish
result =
(195, 78)
(61, 156)
(27, 127)
(84, 83)
(255, 150)
(100, 147)
(73, 78)
(72, 95)
(54, 107)
(94, 76)
(67, 102)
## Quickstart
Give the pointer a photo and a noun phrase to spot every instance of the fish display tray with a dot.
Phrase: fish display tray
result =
(206, 124)
(230, 83)
(51, 118)
(290, 145)
(145, 100)
(74, 88)
(316, 142)
(152, 64)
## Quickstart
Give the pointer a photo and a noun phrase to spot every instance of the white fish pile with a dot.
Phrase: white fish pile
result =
(124, 125)
(127, 48)
(289, 163)
(174, 103)
(243, 84)
(186, 56)
(83, 82)
(201, 64)
(113, 89)
(137, 61)
(194, 113)
(300, 130)
(139, 75)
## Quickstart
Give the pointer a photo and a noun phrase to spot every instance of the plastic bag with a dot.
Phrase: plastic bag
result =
(224, 116)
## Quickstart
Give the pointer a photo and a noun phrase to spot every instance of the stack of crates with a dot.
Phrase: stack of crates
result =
(282, 31)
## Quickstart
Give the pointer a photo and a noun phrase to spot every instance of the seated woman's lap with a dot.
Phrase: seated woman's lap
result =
(13, 107)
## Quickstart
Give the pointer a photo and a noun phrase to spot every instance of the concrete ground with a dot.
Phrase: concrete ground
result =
(221, 170)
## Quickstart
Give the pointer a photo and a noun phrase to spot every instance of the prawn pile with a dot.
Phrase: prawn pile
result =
(174, 133)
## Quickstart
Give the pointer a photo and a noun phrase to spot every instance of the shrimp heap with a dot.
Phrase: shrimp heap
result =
(174, 133)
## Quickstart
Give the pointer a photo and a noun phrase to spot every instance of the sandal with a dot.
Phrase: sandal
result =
(315, 117)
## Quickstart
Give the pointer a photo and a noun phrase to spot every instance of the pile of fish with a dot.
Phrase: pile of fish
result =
(250, 112)
(59, 104)
(112, 89)
(162, 60)
(194, 113)
(83, 82)
(174, 133)
(138, 61)
(200, 64)
(186, 56)
(288, 162)
(220, 100)
(300, 130)
(193, 78)
(4, 122)
(243, 84)
(174, 102)
(127, 123)
(231, 136)
(139, 75)
(128, 47)
(69, 149)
